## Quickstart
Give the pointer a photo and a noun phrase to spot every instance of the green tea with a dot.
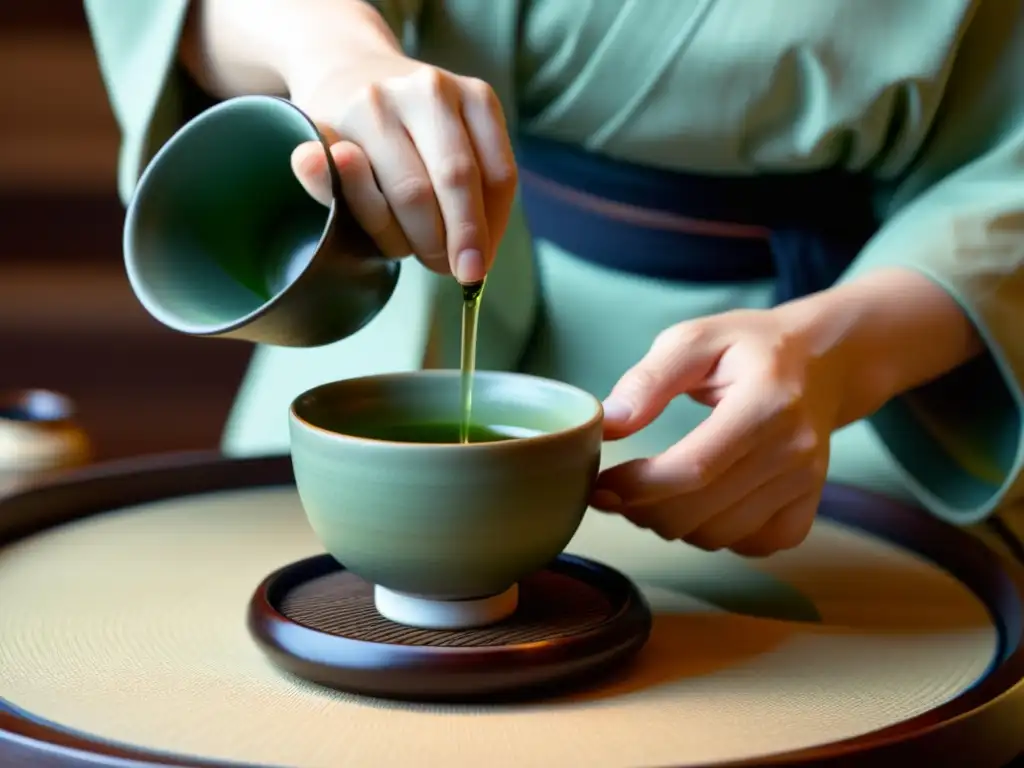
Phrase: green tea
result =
(452, 432)
(471, 295)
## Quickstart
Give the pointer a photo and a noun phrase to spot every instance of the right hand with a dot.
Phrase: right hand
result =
(424, 157)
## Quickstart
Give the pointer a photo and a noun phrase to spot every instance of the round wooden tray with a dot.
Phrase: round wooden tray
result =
(984, 724)
(577, 620)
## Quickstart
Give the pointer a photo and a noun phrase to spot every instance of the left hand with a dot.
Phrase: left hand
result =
(780, 381)
(750, 476)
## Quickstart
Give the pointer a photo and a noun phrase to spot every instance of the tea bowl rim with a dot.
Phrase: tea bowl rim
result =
(143, 190)
(541, 438)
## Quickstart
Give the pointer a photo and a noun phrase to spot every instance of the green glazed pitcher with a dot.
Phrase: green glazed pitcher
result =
(221, 240)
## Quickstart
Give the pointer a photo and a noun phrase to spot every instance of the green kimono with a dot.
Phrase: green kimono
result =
(926, 96)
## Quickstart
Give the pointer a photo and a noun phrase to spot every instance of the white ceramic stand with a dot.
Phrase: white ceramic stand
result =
(424, 613)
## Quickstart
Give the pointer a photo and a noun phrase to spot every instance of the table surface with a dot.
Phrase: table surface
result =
(835, 639)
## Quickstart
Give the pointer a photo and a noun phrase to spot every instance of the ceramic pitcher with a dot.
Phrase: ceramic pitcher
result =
(221, 239)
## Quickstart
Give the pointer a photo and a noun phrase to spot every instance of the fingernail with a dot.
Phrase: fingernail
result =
(616, 410)
(469, 267)
(603, 499)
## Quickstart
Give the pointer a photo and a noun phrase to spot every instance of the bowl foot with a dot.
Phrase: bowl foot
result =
(425, 613)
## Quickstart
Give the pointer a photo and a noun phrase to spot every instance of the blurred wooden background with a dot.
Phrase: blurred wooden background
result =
(68, 320)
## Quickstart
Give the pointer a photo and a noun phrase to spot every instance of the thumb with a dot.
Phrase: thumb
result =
(309, 164)
(679, 360)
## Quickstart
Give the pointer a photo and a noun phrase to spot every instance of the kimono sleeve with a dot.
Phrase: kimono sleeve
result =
(136, 44)
(957, 217)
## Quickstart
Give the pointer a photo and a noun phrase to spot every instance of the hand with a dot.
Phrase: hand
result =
(424, 157)
(748, 478)
(779, 381)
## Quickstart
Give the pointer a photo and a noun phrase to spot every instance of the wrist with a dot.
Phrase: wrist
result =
(330, 36)
(885, 333)
(239, 47)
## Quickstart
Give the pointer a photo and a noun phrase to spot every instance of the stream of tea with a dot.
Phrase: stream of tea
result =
(471, 295)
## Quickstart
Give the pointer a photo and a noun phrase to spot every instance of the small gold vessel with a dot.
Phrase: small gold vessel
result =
(39, 437)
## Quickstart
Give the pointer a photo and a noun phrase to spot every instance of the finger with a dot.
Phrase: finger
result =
(672, 518)
(649, 481)
(409, 192)
(756, 481)
(735, 428)
(680, 359)
(361, 194)
(309, 164)
(366, 202)
(432, 118)
(485, 123)
(741, 423)
(788, 528)
(402, 178)
(650, 521)
(750, 514)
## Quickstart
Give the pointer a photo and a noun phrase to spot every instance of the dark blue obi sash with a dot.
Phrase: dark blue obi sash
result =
(803, 230)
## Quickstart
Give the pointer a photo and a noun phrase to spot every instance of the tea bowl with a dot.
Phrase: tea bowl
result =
(442, 529)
